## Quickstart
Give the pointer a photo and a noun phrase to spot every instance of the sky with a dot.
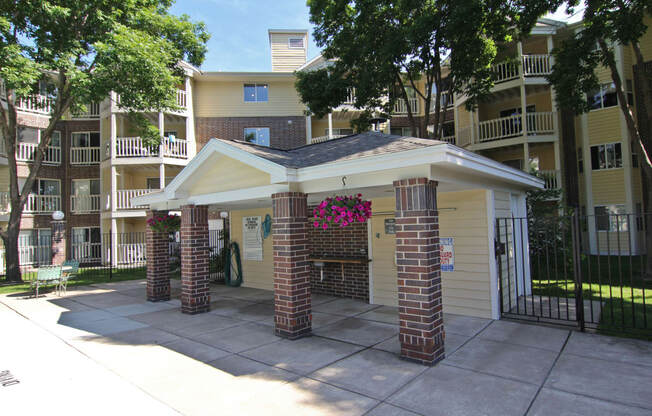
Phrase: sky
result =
(238, 28)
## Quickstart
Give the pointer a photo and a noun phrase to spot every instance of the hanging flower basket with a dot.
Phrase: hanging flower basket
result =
(165, 224)
(342, 211)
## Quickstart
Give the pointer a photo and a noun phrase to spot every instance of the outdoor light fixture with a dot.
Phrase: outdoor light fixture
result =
(58, 215)
(224, 214)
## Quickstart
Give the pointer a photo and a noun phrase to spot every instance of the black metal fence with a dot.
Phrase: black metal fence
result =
(117, 256)
(590, 271)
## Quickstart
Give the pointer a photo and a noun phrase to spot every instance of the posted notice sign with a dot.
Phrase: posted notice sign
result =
(252, 239)
(446, 254)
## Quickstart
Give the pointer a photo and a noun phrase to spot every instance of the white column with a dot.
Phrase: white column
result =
(161, 129)
(114, 136)
(114, 189)
(190, 121)
(308, 129)
(475, 126)
(330, 126)
(161, 175)
(114, 241)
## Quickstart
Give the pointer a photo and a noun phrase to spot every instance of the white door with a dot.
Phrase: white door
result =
(383, 265)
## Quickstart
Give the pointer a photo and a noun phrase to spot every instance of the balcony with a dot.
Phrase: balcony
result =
(92, 112)
(533, 66)
(86, 252)
(446, 100)
(181, 98)
(42, 203)
(124, 196)
(82, 204)
(26, 152)
(552, 178)
(5, 205)
(400, 107)
(36, 103)
(448, 139)
(326, 138)
(538, 123)
(84, 155)
(129, 147)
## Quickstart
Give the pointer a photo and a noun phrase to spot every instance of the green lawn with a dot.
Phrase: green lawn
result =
(85, 277)
(615, 281)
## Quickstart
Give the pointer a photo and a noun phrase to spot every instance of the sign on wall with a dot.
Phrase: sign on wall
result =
(252, 239)
(446, 254)
(390, 226)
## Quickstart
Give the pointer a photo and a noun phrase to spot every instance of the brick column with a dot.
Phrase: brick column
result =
(158, 266)
(292, 309)
(58, 242)
(195, 296)
(421, 330)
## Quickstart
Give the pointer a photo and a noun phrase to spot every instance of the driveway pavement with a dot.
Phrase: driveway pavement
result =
(228, 361)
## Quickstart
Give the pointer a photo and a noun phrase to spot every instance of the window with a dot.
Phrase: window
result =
(514, 163)
(610, 218)
(56, 139)
(255, 93)
(86, 244)
(85, 195)
(34, 246)
(606, 156)
(257, 135)
(295, 43)
(28, 135)
(402, 131)
(603, 97)
(339, 132)
(580, 160)
(448, 129)
(85, 139)
(85, 187)
(46, 187)
(155, 183)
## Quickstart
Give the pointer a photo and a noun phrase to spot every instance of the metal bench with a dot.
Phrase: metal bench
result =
(46, 276)
(69, 270)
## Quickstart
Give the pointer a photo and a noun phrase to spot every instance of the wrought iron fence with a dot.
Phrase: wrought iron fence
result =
(590, 271)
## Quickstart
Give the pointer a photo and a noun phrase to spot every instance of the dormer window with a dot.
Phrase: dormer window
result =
(295, 43)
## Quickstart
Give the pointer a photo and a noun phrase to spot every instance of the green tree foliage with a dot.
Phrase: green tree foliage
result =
(382, 48)
(609, 23)
(85, 50)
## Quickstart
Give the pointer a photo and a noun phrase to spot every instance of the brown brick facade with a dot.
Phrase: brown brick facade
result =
(421, 327)
(285, 132)
(158, 263)
(349, 241)
(292, 303)
(195, 290)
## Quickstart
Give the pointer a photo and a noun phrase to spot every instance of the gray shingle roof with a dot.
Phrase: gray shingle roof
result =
(346, 148)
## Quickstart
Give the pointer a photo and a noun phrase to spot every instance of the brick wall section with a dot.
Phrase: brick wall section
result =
(291, 245)
(349, 241)
(158, 268)
(282, 134)
(195, 296)
(58, 242)
(421, 331)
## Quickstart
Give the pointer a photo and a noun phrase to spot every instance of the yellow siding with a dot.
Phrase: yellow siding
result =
(467, 289)
(4, 179)
(233, 175)
(284, 58)
(320, 126)
(226, 99)
(604, 126)
(646, 40)
(608, 186)
(258, 274)
(637, 190)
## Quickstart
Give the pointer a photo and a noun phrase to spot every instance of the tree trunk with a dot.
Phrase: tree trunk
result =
(10, 241)
(569, 152)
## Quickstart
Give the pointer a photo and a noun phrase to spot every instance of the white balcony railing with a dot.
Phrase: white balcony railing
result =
(537, 65)
(446, 100)
(84, 155)
(34, 255)
(26, 152)
(84, 203)
(124, 198)
(134, 147)
(36, 103)
(326, 138)
(448, 139)
(42, 203)
(5, 205)
(504, 127)
(182, 100)
(86, 252)
(350, 96)
(552, 178)
(400, 107)
(92, 111)
(130, 253)
(506, 71)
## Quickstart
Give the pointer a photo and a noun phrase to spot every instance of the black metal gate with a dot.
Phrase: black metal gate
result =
(586, 271)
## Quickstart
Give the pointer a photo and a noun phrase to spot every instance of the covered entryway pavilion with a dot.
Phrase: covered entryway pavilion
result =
(412, 173)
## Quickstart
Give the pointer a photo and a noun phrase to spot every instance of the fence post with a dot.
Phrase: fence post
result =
(499, 264)
(111, 254)
(577, 269)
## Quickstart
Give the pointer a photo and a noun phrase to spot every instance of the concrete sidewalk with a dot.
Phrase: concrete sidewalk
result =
(228, 361)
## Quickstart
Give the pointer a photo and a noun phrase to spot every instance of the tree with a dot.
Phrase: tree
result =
(609, 23)
(85, 50)
(383, 48)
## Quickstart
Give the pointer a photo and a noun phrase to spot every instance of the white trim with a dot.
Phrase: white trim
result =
(258, 192)
(493, 268)
(370, 256)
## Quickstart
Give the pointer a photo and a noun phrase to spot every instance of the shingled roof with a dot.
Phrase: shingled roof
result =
(346, 148)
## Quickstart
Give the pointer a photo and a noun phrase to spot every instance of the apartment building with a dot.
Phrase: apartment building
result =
(96, 163)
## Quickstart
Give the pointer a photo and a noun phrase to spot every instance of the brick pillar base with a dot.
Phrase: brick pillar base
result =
(421, 330)
(292, 306)
(158, 265)
(195, 296)
(58, 242)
